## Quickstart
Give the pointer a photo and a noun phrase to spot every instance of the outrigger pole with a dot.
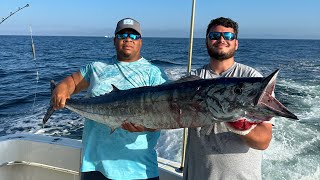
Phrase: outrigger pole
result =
(189, 71)
(12, 13)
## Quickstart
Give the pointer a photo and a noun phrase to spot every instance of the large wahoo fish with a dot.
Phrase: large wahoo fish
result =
(189, 102)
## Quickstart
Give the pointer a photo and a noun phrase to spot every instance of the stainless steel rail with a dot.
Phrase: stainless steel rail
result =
(183, 154)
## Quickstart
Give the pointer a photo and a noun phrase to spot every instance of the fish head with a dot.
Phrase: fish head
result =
(229, 98)
(265, 104)
(246, 97)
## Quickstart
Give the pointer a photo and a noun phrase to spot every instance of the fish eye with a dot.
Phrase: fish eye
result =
(238, 90)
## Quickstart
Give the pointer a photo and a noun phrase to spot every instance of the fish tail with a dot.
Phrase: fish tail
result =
(48, 114)
(50, 110)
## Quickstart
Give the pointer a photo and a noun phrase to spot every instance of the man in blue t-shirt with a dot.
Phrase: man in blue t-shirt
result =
(128, 152)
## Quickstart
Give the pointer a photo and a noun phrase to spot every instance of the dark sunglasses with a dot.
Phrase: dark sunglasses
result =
(226, 35)
(131, 36)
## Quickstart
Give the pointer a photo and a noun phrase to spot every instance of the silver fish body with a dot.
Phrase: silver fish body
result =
(189, 102)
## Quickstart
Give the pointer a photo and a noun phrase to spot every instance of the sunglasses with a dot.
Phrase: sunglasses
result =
(226, 35)
(131, 36)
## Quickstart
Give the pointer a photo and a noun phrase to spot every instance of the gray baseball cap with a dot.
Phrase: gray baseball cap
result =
(128, 23)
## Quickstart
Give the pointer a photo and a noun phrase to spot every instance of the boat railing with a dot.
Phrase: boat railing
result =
(39, 165)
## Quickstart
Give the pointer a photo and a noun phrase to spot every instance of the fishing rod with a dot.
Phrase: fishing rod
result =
(12, 13)
(183, 154)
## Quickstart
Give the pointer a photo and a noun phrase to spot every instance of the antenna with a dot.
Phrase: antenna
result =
(12, 13)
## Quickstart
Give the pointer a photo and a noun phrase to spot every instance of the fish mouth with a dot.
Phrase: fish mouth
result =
(267, 101)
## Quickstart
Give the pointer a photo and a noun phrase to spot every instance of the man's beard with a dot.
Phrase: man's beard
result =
(220, 55)
(124, 54)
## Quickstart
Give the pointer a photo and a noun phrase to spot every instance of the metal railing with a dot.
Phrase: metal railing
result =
(44, 166)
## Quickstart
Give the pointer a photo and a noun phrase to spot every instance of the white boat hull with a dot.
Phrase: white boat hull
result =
(35, 157)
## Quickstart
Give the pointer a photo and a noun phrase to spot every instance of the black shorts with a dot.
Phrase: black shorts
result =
(96, 175)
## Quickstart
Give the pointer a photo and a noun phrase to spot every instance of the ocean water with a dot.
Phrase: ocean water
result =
(294, 152)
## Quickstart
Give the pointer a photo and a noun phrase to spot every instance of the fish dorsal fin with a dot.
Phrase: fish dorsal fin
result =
(114, 88)
(187, 78)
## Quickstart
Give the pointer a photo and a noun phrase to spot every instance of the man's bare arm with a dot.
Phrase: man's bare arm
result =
(259, 137)
(70, 85)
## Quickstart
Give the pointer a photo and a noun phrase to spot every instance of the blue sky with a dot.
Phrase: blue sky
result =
(293, 19)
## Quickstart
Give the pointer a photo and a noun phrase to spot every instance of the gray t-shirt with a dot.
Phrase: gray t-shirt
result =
(214, 153)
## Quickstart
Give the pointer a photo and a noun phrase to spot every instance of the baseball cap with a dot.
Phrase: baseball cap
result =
(128, 23)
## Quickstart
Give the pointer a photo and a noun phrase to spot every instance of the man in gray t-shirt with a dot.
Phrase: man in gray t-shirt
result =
(225, 150)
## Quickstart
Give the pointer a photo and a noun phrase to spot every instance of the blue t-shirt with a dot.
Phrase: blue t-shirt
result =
(121, 154)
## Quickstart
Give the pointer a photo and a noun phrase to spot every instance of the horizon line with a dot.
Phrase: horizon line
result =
(109, 37)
